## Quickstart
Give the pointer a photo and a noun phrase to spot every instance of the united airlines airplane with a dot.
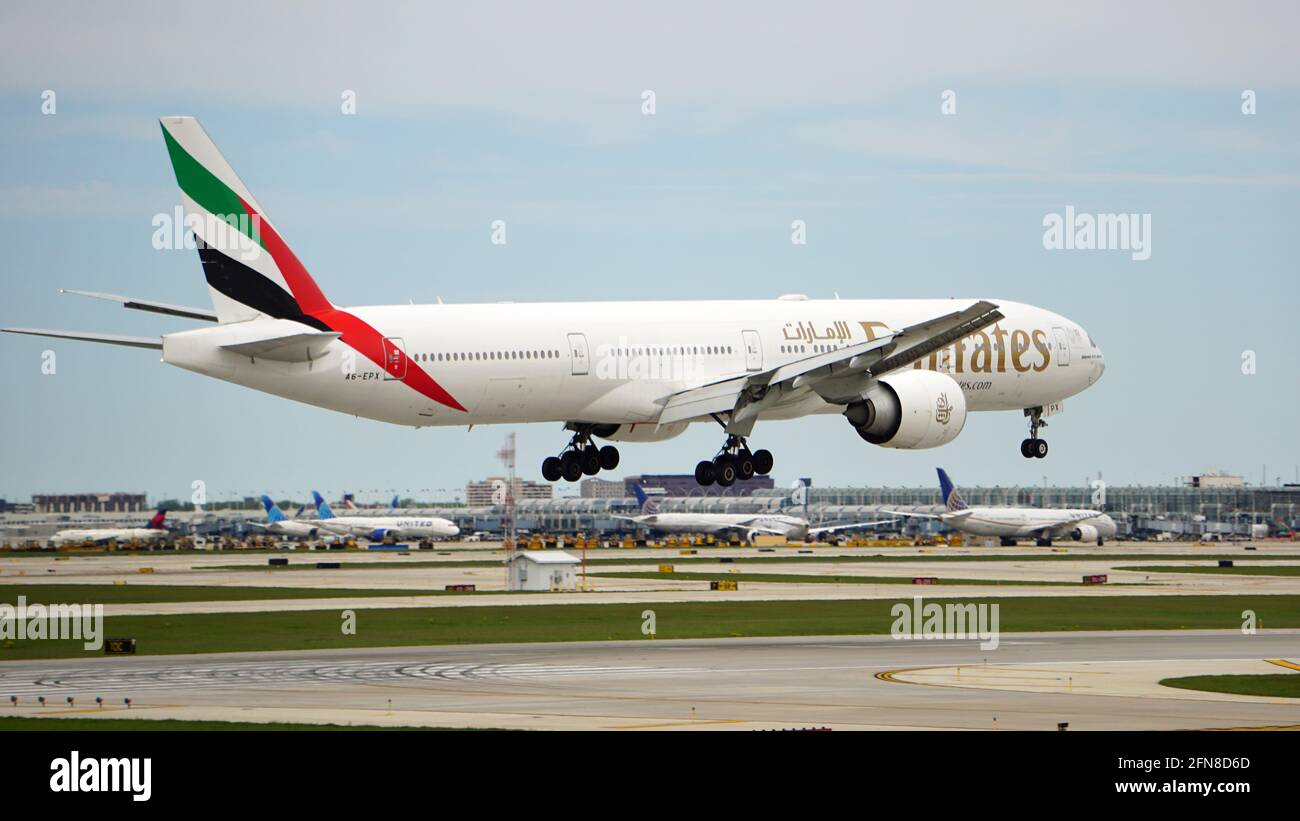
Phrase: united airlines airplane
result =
(1010, 523)
(378, 528)
(281, 525)
(904, 373)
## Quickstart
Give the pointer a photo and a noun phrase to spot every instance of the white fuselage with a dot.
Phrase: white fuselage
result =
(617, 362)
(286, 527)
(1027, 521)
(713, 523)
(413, 527)
(118, 534)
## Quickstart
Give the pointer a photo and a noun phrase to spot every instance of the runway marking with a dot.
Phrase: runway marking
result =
(1290, 665)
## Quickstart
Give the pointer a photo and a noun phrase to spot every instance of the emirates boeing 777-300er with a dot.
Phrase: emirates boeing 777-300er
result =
(904, 373)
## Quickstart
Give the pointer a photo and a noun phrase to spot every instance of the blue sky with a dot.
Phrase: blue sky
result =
(765, 114)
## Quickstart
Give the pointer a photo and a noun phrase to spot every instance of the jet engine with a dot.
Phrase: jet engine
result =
(1084, 533)
(913, 409)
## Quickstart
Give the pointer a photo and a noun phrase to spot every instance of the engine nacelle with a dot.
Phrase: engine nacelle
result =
(378, 534)
(1084, 533)
(640, 432)
(914, 409)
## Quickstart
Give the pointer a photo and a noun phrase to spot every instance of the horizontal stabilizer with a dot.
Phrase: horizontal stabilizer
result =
(149, 305)
(84, 336)
(280, 340)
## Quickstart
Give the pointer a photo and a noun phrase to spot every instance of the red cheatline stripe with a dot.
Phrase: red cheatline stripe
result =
(355, 332)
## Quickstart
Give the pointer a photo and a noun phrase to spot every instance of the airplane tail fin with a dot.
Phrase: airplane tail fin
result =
(348, 503)
(393, 504)
(273, 512)
(648, 506)
(156, 523)
(322, 506)
(250, 270)
(952, 499)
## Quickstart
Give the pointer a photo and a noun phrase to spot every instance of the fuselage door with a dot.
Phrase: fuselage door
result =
(394, 359)
(1062, 346)
(753, 351)
(578, 354)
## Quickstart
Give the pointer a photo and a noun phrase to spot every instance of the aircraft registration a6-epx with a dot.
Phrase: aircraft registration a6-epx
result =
(903, 372)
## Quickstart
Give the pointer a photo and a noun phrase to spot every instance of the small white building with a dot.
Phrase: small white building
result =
(542, 570)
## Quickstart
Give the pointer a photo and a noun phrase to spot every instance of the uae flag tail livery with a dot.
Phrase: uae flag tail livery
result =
(253, 274)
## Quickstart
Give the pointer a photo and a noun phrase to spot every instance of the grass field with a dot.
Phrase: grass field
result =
(152, 725)
(798, 578)
(161, 593)
(305, 630)
(1235, 570)
(1278, 685)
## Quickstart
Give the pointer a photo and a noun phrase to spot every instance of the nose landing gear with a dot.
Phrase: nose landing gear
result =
(1033, 447)
(580, 458)
(734, 461)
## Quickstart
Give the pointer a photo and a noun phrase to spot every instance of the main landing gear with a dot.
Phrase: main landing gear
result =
(734, 461)
(1033, 447)
(580, 458)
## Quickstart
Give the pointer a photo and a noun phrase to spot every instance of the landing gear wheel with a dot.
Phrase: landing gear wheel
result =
(763, 462)
(608, 457)
(1033, 447)
(590, 460)
(726, 470)
(744, 467)
(705, 473)
(571, 466)
(552, 469)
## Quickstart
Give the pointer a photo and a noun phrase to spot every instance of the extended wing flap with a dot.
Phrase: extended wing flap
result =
(723, 396)
(924, 338)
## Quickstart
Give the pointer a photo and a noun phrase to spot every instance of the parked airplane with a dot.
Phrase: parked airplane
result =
(747, 524)
(378, 528)
(903, 372)
(152, 532)
(1010, 523)
(282, 525)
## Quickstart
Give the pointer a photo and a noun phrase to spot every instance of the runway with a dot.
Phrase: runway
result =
(1032, 681)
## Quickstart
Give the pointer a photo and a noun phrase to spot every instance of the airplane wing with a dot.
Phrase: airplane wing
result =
(813, 531)
(910, 514)
(835, 375)
(1057, 527)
